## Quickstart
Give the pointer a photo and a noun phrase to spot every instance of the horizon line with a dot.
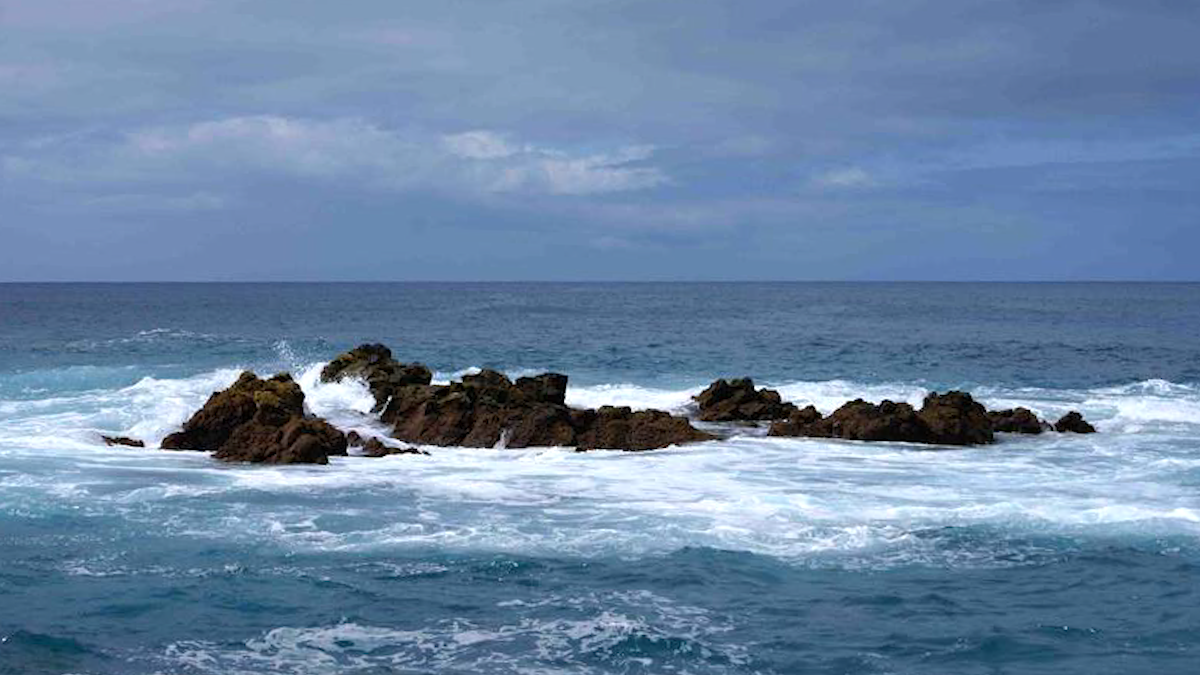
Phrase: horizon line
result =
(604, 281)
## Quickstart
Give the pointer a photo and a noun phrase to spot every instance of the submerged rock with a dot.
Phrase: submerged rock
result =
(953, 418)
(376, 447)
(1017, 421)
(257, 420)
(738, 400)
(1073, 422)
(123, 440)
(373, 363)
(488, 410)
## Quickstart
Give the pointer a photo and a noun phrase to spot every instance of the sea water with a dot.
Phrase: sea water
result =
(1057, 553)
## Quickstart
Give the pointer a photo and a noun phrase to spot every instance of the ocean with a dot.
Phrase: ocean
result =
(1060, 553)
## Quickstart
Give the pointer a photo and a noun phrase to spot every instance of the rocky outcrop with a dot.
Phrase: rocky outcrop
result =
(298, 441)
(547, 387)
(797, 424)
(1017, 421)
(738, 400)
(257, 420)
(123, 440)
(373, 363)
(482, 410)
(1073, 422)
(860, 420)
(953, 418)
(622, 428)
(488, 410)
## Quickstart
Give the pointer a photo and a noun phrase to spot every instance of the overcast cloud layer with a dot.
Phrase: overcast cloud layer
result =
(569, 139)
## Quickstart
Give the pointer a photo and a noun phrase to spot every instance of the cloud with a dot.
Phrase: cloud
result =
(504, 166)
(847, 178)
(599, 125)
(479, 145)
(341, 150)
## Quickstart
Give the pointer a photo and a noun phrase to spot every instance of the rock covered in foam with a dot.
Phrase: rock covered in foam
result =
(1073, 422)
(738, 400)
(257, 420)
(373, 363)
(374, 446)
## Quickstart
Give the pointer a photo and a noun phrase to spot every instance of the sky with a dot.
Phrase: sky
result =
(373, 140)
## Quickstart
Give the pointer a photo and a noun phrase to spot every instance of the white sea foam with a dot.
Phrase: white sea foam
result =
(796, 499)
(638, 398)
(599, 623)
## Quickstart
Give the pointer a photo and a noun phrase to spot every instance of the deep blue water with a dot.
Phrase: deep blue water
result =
(1055, 554)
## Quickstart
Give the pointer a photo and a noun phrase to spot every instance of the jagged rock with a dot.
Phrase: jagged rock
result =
(954, 418)
(859, 420)
(257, 420)
(298, 441)
(547, 388)
(373, 363)
(488, 410)
(620, 428)
(738, 400)
(796, 423)
(483, 410)
(1074, 423)
(1017, 421)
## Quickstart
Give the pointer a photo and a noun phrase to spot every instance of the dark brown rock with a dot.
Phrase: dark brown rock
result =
(1017, 421)
(797, 424)
(621, 428)
(123, 440)
(954, 418)
(298, 441)
(488, 410)
(1073, 422)
(546, 388)
(373, 363)
(738, 400)
(257, 420)
(862, 421)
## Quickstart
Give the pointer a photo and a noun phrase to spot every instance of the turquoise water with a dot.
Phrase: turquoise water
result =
(1053, 554)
